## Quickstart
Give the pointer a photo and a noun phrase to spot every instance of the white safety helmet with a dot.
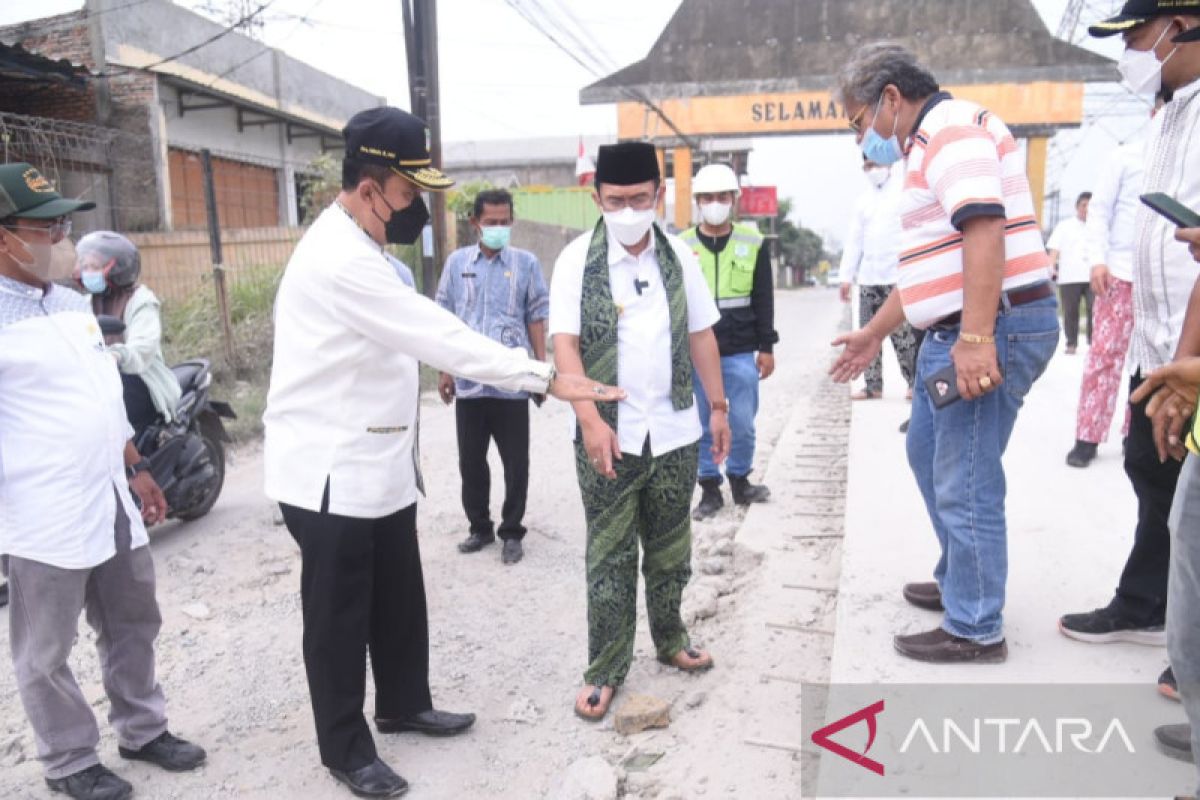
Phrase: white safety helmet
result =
(714, 178)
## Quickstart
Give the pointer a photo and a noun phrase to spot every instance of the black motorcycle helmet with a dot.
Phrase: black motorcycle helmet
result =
(111, 253)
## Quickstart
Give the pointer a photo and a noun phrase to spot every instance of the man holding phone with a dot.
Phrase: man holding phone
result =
(1163, 275)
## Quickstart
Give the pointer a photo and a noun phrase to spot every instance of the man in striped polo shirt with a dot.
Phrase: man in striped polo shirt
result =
(975, 275)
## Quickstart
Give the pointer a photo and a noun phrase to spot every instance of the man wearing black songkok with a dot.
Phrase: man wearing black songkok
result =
(627, 300)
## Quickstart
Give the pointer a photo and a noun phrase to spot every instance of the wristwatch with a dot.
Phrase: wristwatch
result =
(719, 405)
(132, 470)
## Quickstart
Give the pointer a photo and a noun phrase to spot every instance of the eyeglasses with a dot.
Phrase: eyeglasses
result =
(638, 202)
(58, 230)
(857, 120)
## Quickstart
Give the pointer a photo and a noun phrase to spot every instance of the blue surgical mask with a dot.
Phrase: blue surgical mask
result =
(495, 237)
(878, 149)
(94, 282)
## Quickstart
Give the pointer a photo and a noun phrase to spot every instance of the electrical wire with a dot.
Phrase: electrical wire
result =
(631, 92)
(233, 26)
(267, 48)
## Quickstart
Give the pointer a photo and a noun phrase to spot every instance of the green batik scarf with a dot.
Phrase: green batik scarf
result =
(598, 321)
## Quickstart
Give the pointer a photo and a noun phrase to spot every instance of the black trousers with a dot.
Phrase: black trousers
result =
(361, 589)
(480, 420)
(1142, 592)
(139, 406)
(1072, 293)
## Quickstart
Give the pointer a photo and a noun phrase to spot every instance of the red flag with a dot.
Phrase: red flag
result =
(585, 168)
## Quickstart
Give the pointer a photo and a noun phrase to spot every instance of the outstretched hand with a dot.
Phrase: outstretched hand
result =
(1172, 392)
(861, 346)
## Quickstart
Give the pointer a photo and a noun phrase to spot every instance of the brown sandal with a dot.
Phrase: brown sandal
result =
(694, 654)
(594, 702)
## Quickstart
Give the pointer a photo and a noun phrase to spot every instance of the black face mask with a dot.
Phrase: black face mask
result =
(404, 226)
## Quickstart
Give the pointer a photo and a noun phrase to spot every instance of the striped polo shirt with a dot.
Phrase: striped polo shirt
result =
(962, 163)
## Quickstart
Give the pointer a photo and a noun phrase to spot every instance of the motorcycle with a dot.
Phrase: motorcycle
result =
(187, 455)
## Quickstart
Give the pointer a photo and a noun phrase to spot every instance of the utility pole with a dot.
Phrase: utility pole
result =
(421, 51)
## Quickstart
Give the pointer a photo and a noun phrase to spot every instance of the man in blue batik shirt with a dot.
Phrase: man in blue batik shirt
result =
(498, 291)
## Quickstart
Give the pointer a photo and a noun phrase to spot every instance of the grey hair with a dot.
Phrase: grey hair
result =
(879, 64)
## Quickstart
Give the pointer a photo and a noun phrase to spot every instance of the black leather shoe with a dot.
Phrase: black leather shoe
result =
(474, 543)
(710, 499)
(169, 752)
(430, 723)
(374, 780)
(924, 595)
(941, 647)
(1175, 741)
(97, 782)
(744, 492)
(513, 551)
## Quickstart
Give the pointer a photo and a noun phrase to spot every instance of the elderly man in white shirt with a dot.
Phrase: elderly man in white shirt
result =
(628, 301)
(71, 538)
(1068, 247)
(340, 451)
(1163, 275)
(871, 259)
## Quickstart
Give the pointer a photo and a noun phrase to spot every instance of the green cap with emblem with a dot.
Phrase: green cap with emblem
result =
(25, 192)
(1139, 12)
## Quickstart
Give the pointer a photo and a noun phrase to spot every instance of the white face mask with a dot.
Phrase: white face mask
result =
(47, 262)
(878, 176)
(628, 226)
(1141, 70)
(715, 213)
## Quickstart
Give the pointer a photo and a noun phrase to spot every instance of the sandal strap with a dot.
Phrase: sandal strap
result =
(594, 698)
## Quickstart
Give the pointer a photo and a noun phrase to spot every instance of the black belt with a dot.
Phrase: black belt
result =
(1016, 297)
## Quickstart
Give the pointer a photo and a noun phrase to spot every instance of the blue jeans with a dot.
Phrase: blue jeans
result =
(1183, 593)
(740, 376)
(955, 456)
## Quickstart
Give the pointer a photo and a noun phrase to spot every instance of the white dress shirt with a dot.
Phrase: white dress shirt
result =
(1070, 241)
(1114, 207)
(1163, 269)
(344, 395)
(872, 253)
(63, 432)
(643, 336)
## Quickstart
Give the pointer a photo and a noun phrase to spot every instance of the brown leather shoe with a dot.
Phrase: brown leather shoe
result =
(924, 595)
(939, 647)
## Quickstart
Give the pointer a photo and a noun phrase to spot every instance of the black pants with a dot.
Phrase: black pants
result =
(1142, 592)
(139, 406)
(1072, 293)
(479, 421)
(361, 589)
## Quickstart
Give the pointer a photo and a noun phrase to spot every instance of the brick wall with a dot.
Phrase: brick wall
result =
(64, 36)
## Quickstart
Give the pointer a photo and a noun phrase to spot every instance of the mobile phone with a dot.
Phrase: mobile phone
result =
(1173, 210)
(943, 387)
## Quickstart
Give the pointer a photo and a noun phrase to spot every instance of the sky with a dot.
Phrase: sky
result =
(503, 79)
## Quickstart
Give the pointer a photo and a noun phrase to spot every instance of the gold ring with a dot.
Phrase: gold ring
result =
(985, 382)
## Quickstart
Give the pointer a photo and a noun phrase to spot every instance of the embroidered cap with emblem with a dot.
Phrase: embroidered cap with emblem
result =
(25, 192)
(397, 139)
(1139, 12)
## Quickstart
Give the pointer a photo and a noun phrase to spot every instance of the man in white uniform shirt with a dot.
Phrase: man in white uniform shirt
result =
(71, 538)
(629, 301)
(1163, 276)
(1068, 248)
(871, 258)
(340, 443)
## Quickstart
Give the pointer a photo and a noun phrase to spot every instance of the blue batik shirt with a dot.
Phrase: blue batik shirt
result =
(498, 297)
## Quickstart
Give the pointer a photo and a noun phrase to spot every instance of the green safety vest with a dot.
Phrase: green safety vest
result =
(730, 273)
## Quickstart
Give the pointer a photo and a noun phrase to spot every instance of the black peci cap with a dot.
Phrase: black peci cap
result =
(627, 163)
(396, 139)
(1139, 12)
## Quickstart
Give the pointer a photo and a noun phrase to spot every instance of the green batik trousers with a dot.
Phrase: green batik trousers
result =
(649, 500)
